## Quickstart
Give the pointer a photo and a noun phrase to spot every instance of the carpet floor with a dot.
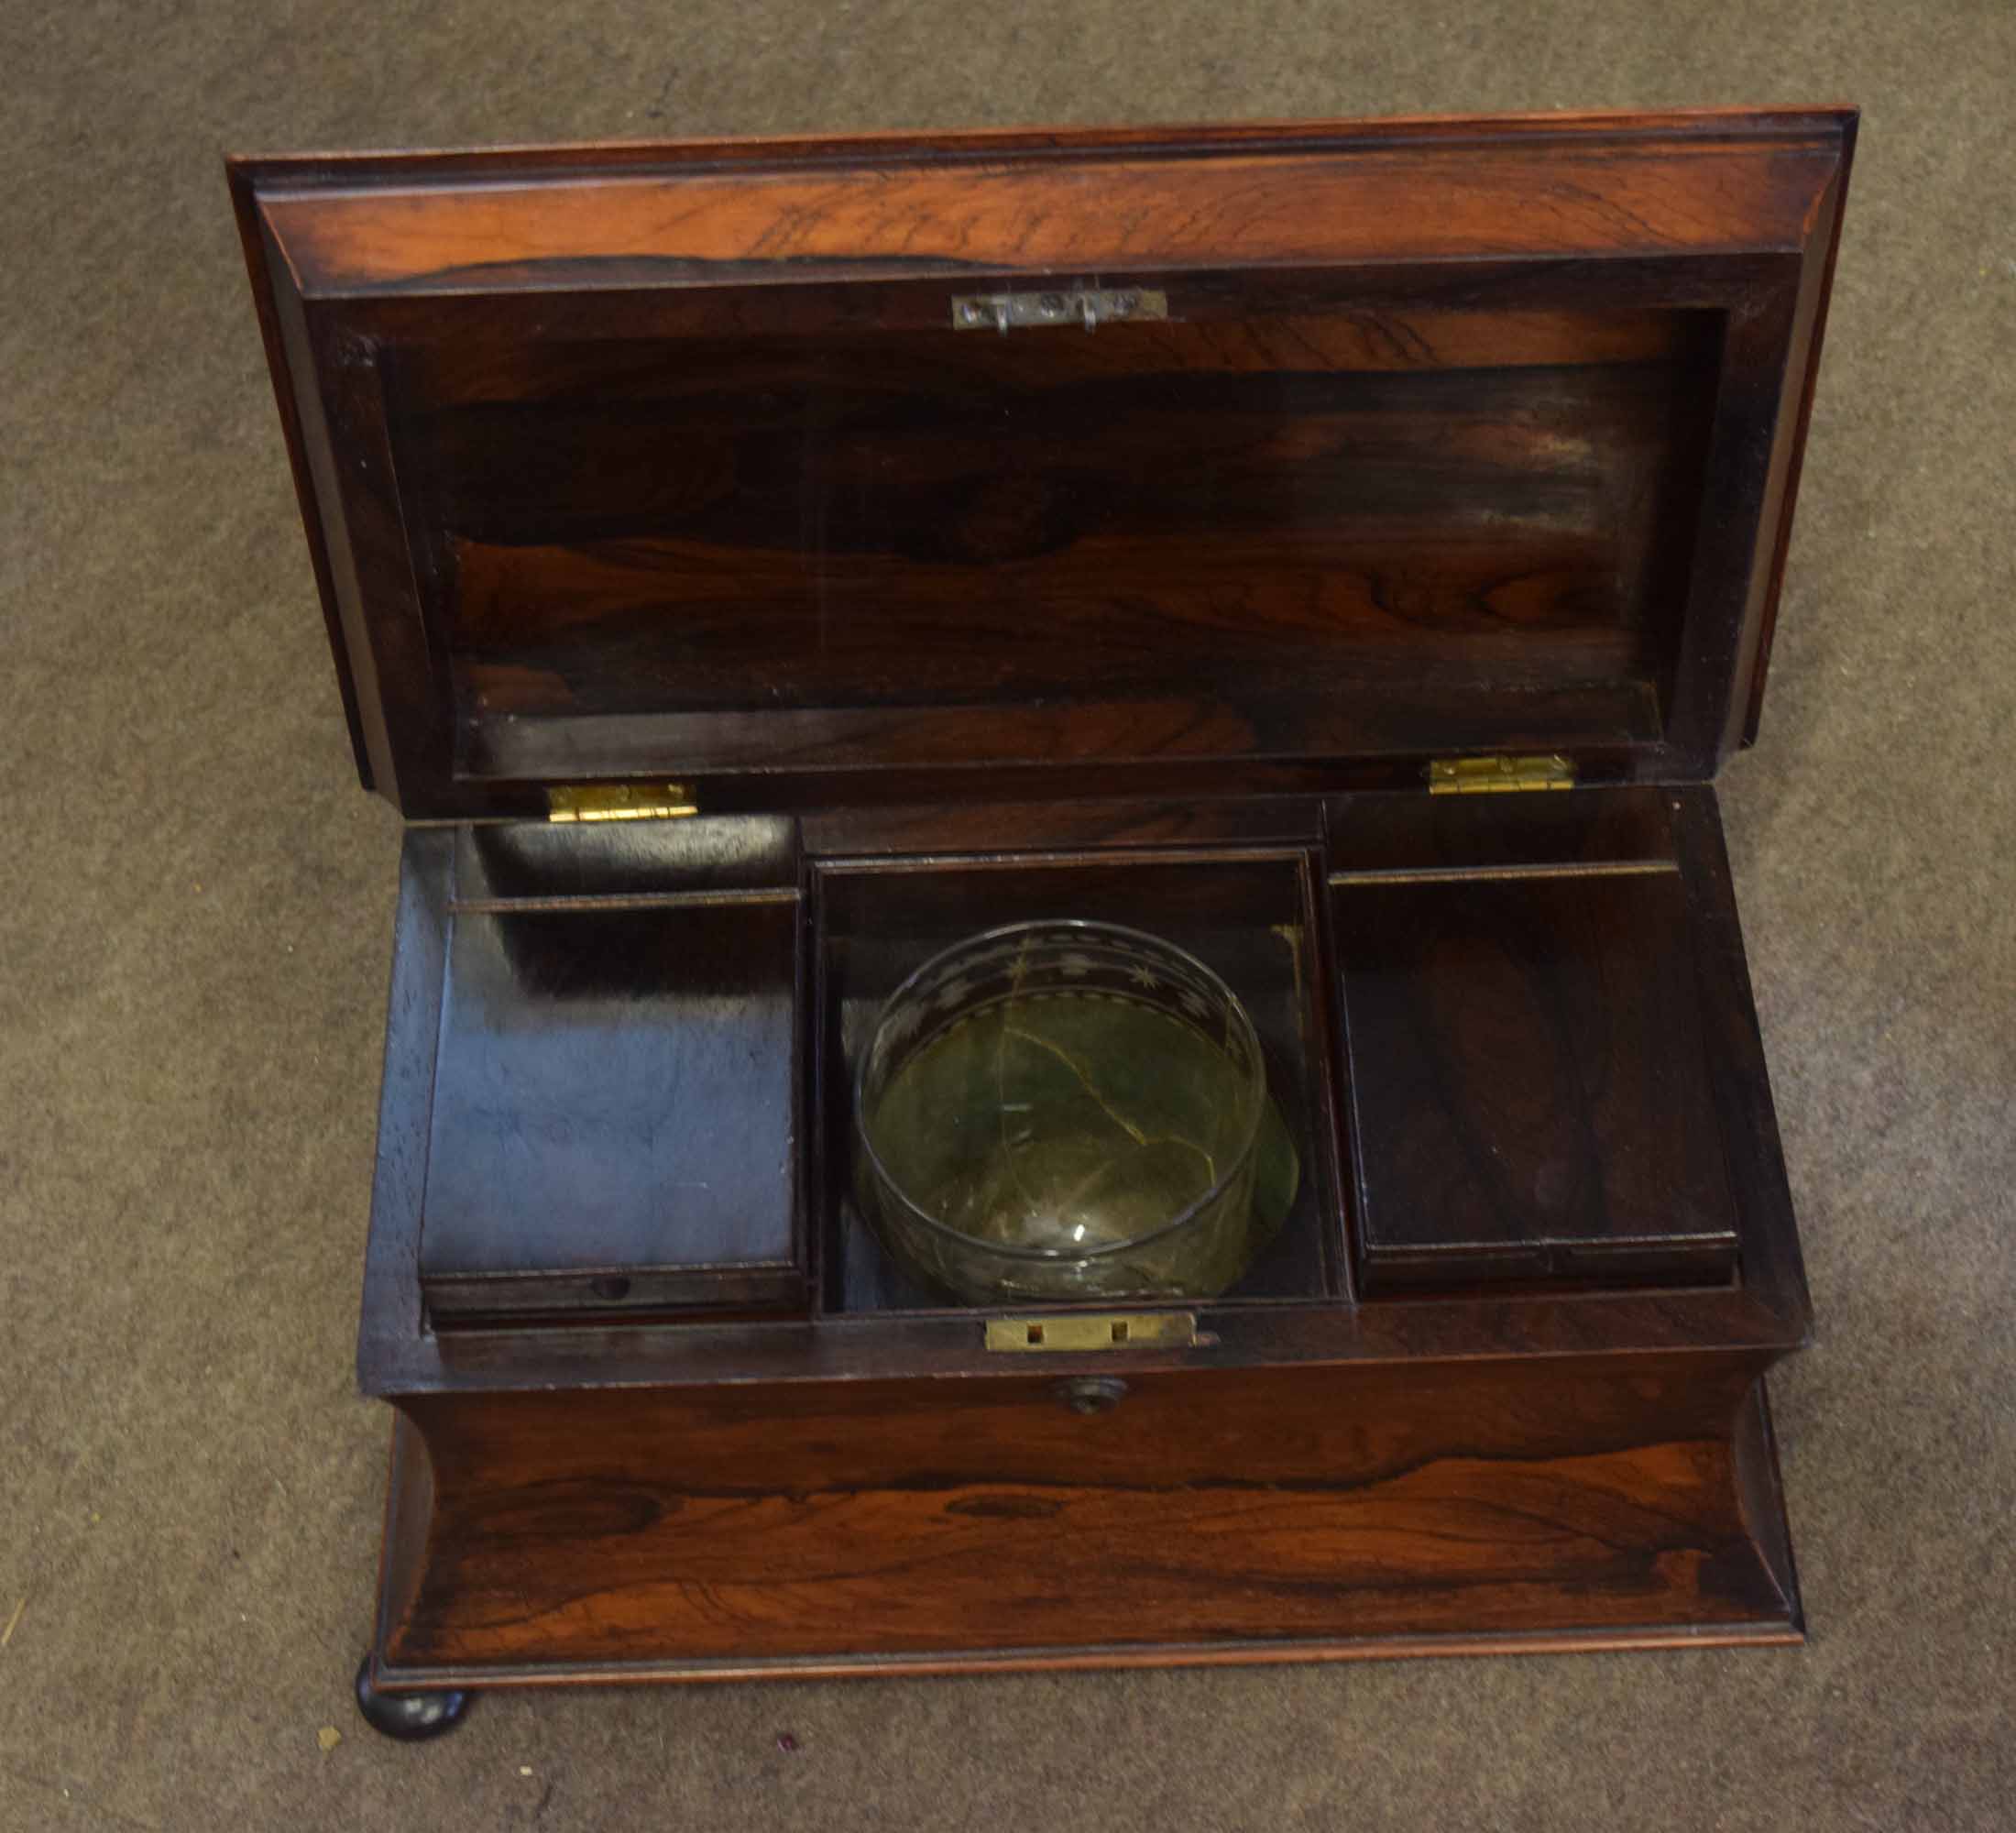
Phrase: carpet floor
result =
(193, 947)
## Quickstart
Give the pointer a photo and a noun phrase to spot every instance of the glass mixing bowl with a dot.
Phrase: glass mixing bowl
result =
(1063, 1110)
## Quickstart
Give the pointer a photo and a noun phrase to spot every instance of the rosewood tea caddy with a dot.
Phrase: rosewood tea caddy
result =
(1341, 553)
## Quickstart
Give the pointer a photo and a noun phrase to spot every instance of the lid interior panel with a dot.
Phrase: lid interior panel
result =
(1277, 536)
(684, 461)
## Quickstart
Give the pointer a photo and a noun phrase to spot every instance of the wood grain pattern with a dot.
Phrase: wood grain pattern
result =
(919, 873)
(660, 459)
(662, 462)
(1052, 827)
(1473, 834)
(1531, 1094)
(1773, 1264)
(1818, 287)
(767, 537)
(1220, 335)
(1616, 188)
(872, 1493)
(944, 520)
(958, 753)
(897, 1518)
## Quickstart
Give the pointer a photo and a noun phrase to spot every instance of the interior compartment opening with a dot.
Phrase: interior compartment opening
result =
(615, 1115)
(1247, 917)
(1532, 1097)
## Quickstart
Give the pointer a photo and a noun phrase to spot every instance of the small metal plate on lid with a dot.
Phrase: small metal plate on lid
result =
(1087, 306)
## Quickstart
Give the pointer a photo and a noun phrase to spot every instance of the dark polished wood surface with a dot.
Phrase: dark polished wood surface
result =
(935, 520)
(663, 464)
(1540, 1062)
(1712, 180)
(1531, 1095)
(1468, 440)
(888, 1519)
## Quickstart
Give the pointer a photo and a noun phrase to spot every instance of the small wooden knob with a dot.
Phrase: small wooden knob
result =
(1091, 1393)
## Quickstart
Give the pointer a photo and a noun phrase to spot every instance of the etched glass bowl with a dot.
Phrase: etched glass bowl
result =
(1063, 1110)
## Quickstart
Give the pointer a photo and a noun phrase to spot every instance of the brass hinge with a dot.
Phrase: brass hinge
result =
(1495, 775)
(619, 802)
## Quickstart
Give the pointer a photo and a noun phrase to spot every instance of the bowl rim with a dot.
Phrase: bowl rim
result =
(1055, 1256)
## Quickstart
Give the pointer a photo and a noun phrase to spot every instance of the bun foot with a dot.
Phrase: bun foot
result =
(409, 1717)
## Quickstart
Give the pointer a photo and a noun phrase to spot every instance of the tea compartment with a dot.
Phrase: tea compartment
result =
(1246, 917)
(614, 1124)
(1532, 1091)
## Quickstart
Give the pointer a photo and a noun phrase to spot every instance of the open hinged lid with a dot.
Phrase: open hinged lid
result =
(789, 472)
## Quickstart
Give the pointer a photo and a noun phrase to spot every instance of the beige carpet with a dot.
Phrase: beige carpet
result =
(193, 947)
